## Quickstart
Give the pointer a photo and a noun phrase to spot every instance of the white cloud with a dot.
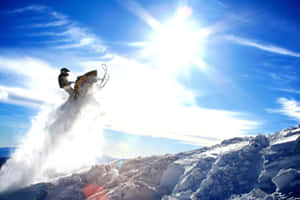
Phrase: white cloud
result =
(289, 90)
(58, 15)
(289, 107)
(34, 8)
(82, 39)
(52, 24)
(269, 48)
(140, 100)
(38, 83)
(73, 36)
(60, 19)
(77, 37)
(21, 93)
(3, 94)
(137, 44)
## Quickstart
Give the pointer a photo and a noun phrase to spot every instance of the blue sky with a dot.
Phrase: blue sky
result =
(183, 73)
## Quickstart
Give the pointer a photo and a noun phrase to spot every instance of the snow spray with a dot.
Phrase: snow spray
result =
(61, 140)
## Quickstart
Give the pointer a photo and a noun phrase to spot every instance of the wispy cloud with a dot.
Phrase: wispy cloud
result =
(288, 90)
(289, 107)
(3, 94)
(264, 47)
(138, 44)
(81, 38)
(37, 86)
(135, 44)
(35, 8)
(275, 76)
(51, 24)
(19, 96)
(61, 29)
(286, 77)
(58, 19)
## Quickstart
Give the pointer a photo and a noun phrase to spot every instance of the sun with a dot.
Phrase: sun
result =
(177, 45)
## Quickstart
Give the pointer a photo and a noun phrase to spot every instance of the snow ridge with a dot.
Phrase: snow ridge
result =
(261, 167)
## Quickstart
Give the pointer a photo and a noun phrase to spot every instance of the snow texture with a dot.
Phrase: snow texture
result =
(261, 167)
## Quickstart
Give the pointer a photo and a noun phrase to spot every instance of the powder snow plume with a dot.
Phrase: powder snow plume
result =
(61, 140)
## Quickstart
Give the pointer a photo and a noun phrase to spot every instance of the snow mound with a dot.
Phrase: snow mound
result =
(261, 167)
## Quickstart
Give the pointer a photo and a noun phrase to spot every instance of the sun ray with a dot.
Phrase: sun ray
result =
(178, 45)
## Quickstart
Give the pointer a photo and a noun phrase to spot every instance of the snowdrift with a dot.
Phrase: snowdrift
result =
(261, 167)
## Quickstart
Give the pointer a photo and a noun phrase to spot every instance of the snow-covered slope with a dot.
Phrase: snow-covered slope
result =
(261, 167)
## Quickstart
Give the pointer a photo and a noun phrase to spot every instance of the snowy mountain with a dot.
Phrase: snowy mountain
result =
(261, 167)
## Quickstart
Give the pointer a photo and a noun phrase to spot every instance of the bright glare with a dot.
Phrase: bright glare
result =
(178, 44)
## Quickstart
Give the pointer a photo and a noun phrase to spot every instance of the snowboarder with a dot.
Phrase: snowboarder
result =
(64, 82)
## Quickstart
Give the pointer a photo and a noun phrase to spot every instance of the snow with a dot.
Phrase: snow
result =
(287, 139)
(260, 167)
(287, 180)
(225, 149)
(51, 147)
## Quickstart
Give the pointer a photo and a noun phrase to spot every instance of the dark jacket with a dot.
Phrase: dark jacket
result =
(63, 80)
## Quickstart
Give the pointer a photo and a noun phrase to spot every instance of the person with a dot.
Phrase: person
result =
(64, 83)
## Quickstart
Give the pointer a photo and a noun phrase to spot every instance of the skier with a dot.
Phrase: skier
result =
(64, 82)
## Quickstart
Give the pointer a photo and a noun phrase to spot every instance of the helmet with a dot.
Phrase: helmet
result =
(64, 70)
